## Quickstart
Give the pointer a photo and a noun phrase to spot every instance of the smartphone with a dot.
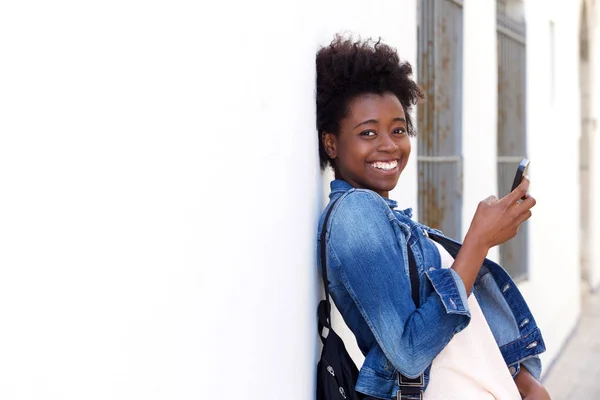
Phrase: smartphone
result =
(521, 172)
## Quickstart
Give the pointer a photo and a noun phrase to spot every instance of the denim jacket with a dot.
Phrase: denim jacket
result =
(366, 247)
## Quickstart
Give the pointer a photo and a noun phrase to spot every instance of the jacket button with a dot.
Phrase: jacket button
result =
(512, 370)
(425, 233)
(453, 304)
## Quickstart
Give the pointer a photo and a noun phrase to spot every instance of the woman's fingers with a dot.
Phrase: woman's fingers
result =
(524, 209)
(524, 216)
(491, 200)
(528, 203)
(519, 192)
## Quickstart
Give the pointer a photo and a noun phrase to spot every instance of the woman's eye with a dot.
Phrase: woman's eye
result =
(367, 133)
(400, 131)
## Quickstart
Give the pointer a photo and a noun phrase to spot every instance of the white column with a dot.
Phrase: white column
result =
(480, 107)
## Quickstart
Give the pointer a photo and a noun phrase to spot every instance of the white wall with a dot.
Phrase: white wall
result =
(553, 129)
(160, 193)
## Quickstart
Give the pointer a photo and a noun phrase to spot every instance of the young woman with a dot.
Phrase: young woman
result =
(472, 335)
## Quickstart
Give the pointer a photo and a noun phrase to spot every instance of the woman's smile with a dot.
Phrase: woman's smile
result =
(385, 167)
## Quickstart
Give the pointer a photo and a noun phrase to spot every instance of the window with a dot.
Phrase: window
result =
(512, 132)
(440, 44)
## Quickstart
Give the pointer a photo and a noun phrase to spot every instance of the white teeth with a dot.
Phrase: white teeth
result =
(386, 166)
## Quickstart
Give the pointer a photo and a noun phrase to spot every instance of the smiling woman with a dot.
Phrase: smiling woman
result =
(426, 327)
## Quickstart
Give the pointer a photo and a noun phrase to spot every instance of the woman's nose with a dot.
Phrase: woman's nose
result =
(387, 144)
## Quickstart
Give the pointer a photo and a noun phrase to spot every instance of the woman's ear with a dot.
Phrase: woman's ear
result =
(330, 143)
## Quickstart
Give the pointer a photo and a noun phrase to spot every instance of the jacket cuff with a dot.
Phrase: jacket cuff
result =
(533, 365)
(451, 290)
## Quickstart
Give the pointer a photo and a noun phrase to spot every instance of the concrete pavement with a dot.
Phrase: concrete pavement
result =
(575, 375)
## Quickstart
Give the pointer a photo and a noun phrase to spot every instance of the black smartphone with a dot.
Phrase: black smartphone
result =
(521, 172)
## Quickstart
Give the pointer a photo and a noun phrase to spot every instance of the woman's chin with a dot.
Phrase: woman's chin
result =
(386, 185)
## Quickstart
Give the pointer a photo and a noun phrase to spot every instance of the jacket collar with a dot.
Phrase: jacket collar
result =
(339, 187)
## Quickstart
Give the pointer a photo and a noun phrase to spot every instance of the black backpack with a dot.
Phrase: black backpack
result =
(336, 372)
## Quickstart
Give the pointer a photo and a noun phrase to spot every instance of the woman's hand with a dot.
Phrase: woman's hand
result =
(529, 387)
(497, 221)
(538, 393)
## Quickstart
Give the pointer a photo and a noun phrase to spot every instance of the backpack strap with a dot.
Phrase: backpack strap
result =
(324, 309)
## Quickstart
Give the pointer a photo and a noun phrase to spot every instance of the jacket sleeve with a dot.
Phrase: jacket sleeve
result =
(364, 250)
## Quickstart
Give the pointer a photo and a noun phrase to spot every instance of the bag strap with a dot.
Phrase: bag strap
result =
(414, 277)
(324, 310)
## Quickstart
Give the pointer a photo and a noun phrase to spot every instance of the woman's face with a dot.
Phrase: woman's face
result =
(373, 145)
